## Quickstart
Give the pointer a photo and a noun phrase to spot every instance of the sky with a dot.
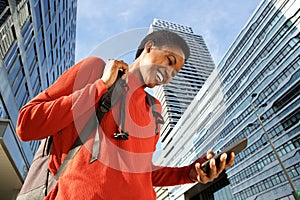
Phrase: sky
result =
(112, 25)
(218, 21)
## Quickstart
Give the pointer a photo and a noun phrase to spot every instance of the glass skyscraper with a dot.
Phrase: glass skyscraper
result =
(178, 94)
(261, 66)
(37, 44)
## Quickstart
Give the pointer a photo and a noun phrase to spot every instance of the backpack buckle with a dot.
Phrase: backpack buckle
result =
(105, 105)
(123, 135)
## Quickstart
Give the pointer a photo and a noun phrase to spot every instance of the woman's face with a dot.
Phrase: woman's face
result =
(160, 64)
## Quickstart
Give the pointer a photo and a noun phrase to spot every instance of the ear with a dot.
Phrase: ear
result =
(149, 45)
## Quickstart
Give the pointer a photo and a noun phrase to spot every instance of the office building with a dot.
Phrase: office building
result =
(37, 44)
(261, 66)
(178, 94)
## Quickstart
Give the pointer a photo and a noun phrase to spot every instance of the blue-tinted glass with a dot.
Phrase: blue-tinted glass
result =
(31, 54)
(13, 148)
(38, 15)
(11, 56)
(2, 110)
(34, 75)
(25, 27)
(22, 94)
(41, 51)
(28, 36)
(25, 100)
(47, 20)
(39, 36)
(35, 84)
(52, 8)
(54, 36)
(14, 71)
(48, 41)
(45, 6)
(17, 81)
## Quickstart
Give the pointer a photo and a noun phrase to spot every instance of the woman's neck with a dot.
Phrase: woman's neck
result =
(134, 68)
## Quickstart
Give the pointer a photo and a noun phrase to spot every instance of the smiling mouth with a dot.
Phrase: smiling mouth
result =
(159, 77)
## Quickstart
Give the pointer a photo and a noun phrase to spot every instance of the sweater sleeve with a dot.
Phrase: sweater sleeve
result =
(170, 176)
(75, 93)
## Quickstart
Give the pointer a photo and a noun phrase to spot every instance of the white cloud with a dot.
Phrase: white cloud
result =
(217, 21)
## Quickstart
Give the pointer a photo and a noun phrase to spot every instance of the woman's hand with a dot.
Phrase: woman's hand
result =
(111, 71)
(198, 175)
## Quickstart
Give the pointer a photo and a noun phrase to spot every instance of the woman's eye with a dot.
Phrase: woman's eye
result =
(170, 61)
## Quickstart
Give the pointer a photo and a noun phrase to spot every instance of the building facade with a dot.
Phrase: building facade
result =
(37, 44)
(262, 67)
(178, 94)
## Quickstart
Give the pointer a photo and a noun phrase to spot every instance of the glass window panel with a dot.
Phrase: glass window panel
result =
(38, 14)
(3, 113)
(21, 94)
(45, 6)
(11, 57)
(17, 81)
(14, 71)
(31, 54)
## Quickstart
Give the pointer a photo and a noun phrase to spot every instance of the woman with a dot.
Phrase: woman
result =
(123, 169)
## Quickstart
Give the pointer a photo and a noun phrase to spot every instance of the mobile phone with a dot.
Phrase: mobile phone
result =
(236, 148)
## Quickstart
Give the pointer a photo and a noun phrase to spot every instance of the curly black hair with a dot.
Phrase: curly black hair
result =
(164, 37)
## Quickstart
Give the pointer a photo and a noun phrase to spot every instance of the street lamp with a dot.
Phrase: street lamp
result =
(259, 118)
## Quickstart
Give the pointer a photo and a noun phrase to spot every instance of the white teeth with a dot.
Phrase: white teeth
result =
(160, 77)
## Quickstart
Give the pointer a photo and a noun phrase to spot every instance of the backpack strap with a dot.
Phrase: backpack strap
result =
(86, 131)
(156, 114)
(47, 146)
(109, 99)
(46, 152)
(121, 134)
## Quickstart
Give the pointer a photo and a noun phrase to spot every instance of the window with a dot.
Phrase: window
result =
(291, 120)
(3, 113)
(8, 36)
(38, 13)
(14, 70)
(287, 97)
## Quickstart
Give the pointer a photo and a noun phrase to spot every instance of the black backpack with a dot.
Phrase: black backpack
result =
(39, 181)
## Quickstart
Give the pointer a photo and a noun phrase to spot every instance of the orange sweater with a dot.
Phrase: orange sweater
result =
(124, 169)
